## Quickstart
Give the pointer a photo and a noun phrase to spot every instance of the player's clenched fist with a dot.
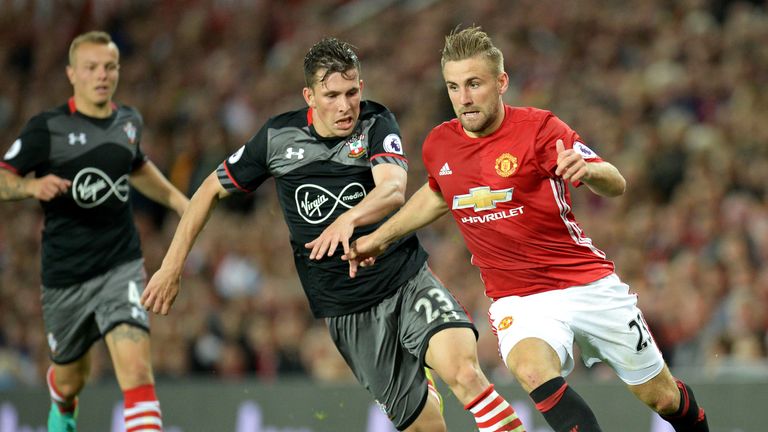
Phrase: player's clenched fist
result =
(571, 166)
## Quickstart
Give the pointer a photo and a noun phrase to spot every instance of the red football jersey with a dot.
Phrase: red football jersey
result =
(513, 211)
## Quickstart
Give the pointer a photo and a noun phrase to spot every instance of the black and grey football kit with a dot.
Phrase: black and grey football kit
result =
(318, 179)
(89, 231)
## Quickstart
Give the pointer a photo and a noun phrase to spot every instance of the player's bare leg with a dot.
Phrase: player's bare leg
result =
(430, 419)
(537, 367)
(130, 351)
(673, 400)
(64, 384)
(452, 353)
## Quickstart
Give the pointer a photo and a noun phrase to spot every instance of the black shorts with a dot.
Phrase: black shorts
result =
(385, 345)
(77, 316)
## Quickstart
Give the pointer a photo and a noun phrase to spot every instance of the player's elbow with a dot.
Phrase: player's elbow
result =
(613, 183)
(397, 199)
(394, 192)
(618, 188)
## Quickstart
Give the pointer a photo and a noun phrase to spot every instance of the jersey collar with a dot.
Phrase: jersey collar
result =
(73, 107)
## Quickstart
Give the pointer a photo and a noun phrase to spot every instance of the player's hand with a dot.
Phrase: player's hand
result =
(571, 166)
(48, 187)
(161, 291)
(326, 243)
(362, 253)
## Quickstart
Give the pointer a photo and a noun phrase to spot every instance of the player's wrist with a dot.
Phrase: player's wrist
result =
(172, 268)
(29, 188)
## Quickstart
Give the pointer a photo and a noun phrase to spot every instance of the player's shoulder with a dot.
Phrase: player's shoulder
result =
(127, 111)
(451, 126)
(527, 114)
(40, 120)
(123, 108)
(369, 108)
(296, 118)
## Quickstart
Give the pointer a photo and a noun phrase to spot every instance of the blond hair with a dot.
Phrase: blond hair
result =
(471, 42)
(94, 37)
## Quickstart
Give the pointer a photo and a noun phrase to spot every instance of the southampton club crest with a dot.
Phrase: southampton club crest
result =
(356, 148)
(130, 131)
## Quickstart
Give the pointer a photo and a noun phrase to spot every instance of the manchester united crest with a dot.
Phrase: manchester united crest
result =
(505, 323)
(506, 165)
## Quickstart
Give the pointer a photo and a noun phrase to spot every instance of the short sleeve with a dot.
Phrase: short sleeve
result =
(246, 169)
(386, 144)
(553, 129)
(139, 158)
(433, 183)
(30, 151)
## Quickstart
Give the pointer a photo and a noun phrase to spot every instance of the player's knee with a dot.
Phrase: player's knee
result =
(135, 371)
(468, 374)
(70, 387)
(141, 373)
(462, 372)
(430, 420)
(531, 375)
(436, 425)
(663, 400)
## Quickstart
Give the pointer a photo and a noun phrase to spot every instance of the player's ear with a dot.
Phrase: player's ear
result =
(70, 74)
(361, 86)
(309, 96)
(502, 82)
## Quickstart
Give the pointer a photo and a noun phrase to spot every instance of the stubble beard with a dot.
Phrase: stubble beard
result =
(479, 125)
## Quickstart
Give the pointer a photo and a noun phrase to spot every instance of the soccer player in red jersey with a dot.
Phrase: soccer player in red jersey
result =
(502, 172)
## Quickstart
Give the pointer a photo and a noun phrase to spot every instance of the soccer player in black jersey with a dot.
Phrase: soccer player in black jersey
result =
(85, 154)
(340, 170)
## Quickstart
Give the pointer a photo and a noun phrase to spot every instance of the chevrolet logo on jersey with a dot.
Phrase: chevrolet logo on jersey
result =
(482, 198)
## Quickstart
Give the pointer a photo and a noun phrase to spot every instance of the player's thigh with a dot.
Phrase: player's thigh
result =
(69, 320)
(609, 327)
(451, 348)
(369, 342)
(125, 323)
(429, 308)
(119, 300)
(534, 331)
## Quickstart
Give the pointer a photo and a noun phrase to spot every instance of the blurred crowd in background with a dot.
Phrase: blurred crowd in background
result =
(674, 93)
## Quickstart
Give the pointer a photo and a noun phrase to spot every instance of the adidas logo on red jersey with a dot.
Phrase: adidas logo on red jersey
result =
(445, 170)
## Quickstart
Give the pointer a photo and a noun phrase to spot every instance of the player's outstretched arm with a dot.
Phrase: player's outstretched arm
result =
(152, 183)
(605, 179)
(423, 208)
(387, 196)
(14, 187)
(164, 286)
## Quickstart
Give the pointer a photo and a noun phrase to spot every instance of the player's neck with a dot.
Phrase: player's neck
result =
(93, 110)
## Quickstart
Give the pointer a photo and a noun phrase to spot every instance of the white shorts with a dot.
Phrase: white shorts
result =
(601, 317)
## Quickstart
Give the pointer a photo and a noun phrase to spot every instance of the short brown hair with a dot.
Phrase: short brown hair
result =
(95, 37)
(332, 55)
(471, 42)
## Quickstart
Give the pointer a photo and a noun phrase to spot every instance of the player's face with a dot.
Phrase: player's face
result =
(94, 75)
(475, 89)
(335, 103)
